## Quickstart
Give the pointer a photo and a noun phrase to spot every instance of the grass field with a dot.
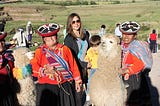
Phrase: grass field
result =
(146, 13)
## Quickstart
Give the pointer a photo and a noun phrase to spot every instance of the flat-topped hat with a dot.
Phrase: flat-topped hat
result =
(129, 27)
(47, 30)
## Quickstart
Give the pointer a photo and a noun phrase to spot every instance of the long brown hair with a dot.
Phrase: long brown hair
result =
(69, 25)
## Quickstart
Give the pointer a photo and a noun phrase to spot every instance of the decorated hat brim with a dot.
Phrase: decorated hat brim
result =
(48, 34)
(129, 27)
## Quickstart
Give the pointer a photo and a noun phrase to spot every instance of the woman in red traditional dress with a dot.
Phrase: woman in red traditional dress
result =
(55, 69)
(7, 94)
(136, 64)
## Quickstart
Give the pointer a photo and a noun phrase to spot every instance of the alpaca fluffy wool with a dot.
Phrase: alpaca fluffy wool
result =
(22, 72)
(106, 88)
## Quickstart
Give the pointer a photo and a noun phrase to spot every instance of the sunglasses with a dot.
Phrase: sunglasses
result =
(48, 28)
(77, 21)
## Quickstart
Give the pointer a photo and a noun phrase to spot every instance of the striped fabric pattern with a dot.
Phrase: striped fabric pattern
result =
(142, 51)
(60, 64)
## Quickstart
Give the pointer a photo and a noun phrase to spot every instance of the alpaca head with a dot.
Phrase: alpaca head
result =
(22, 56)
(109, 46)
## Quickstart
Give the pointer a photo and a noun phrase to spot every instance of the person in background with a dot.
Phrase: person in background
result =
(29, 31)
(136, 63)
(64, 32)
(118, 33)
(2, 25)
(92, 57)
(102, 30)
(20, 39)
(7, 94)
(77, 40)
(153, 41)
(54, 70)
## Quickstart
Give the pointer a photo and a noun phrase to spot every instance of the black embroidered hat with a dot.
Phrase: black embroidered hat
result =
(129, 27)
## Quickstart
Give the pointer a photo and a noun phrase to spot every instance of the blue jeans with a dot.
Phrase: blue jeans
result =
(92, 71)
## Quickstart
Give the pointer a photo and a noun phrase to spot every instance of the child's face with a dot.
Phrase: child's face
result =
(95, 48)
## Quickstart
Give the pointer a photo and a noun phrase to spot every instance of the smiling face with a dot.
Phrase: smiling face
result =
(127, 39)
(50, 41)
(76, 23)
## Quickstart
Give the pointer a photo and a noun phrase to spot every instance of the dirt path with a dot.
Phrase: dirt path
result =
(154, 77)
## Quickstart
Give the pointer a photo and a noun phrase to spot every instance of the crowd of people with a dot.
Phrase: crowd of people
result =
(62, 72)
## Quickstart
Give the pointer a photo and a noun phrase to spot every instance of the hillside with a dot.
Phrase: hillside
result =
(146, 13)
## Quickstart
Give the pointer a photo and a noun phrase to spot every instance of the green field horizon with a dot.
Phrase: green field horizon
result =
(93, 16)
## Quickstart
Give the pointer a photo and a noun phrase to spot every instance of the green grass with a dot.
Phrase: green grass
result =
(146, 13)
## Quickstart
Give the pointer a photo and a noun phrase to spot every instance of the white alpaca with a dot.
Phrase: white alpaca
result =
(26, 95)
(106, 88)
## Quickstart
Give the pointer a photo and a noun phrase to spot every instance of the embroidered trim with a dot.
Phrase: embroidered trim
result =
(63, 74)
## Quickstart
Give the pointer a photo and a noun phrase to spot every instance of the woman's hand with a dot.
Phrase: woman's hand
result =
(123, 71)
(78, 87)
(126, 76)
(49, 69)
(89, 65)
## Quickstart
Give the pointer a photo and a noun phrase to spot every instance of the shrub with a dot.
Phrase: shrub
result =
(133, 1)
(84, 2)
(145, 28)
(116, 2)
(138, 15)
(35, 0)
(93, 3)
